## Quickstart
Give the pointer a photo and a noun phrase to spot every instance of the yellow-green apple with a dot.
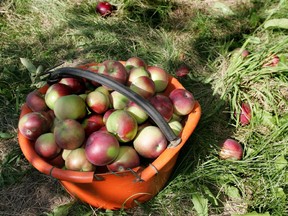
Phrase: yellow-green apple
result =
(33, 124)
(92, 123)
(46, 147)
(122, 124)
(176, 127)
(137, 112)
(101, 148)
(65, 153)
(144, 86)
(97, 102)
(127, 158)
(69, 134)
(77, 85)
(35, 100)
(135, 62)
(163, 105)
(114, 70)
(119, 101)
(231, 149)
(76, 160)
(150, 142)
(54, 92)
(136, 72)
(183, 101)
(159, 77)
(70, 107)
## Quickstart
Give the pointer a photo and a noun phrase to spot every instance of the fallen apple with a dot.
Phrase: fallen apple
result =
(104, 8)
(231, 149)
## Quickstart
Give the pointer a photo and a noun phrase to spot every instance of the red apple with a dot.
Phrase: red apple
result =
(54, 92)
(159, 77)
(245, 114)
(92, 123)
(127, 158)
(46, 147)
(137, 112)
(182, 71)
(231, 149)
(76, 160)
(97, 102)
(183, 101)
(122, 124)
(119, 101)
(104, 8)
(77, 85)
(163, 105)
(136, 72)
(32, 125)
(114, 70)
(150, 142)
(101, 148)
(69, 134)
(35, 100)
(144, 86)
(135, 62)
(58, 161)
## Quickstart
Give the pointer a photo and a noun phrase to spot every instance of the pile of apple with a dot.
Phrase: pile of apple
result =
(80, 125)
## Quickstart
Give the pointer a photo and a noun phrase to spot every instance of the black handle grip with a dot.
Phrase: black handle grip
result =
(60, 73)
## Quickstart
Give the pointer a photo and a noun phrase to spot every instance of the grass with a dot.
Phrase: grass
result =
(200, 34)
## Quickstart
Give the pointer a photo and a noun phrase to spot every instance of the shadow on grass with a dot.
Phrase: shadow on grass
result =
(128, 38)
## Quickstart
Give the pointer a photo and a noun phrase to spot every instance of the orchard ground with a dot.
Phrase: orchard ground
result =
(199, 34)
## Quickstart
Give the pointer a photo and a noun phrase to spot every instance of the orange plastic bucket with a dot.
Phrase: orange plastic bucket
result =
(115, 190)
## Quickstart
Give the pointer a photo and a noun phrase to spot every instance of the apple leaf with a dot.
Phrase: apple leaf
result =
(280, 162)
(29, 65)
(200, 204)
(276, 23)
(4, 135)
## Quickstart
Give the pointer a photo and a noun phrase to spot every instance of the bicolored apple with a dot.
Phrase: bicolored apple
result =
(119, 101)
(123, 125)
(159, 77)
(136, 72)
(137, 112)
(135, 62)
(97, 101)
(144, 86)
(54, 92)
(183, 101)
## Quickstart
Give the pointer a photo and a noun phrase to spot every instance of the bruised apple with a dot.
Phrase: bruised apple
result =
(127, 158)
(150, 142)
(122, 124)
(101, 148)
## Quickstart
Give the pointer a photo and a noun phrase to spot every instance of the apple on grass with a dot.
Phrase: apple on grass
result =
(183, 101)
(101, 148)
(123, 125)
(150, 142)
(230, 149)
(143, 86)
(54, 92)
(159, 77)
(127, 158)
